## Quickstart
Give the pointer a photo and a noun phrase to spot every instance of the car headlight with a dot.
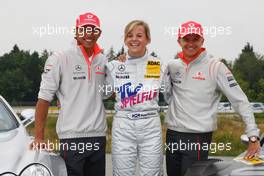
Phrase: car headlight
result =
(35, 169)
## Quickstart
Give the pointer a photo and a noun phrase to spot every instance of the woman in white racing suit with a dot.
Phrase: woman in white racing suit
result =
(136, 132)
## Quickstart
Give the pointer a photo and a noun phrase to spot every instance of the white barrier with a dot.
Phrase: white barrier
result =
(52, 109)
(55, 110)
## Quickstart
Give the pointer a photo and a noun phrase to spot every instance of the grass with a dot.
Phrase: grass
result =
(230, 127)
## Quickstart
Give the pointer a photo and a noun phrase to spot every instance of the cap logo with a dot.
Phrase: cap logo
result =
(89, 16)
(191, 25)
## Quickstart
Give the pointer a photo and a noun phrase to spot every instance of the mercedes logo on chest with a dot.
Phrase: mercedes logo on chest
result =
(78, 67)
(121, 67)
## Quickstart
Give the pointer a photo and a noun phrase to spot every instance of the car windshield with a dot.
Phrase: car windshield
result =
(7, 119)
(256, 105)
(226, 105)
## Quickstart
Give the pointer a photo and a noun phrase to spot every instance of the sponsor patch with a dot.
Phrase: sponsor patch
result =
(131, 95)
(143, 115)
(178, 74)
(47, 68)
(152, 76)
(153, 62)
(98, 68)
(135, 115)
(199, 76)
(230, 78)
(233, 84)
(78, 67)
(177, 81)
(121, 67)
(79, 77)
(153, 69)
(122, 76)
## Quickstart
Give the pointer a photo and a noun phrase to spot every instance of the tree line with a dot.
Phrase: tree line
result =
(20, 74)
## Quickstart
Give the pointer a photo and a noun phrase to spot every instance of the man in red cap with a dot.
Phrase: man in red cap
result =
(75, 76)
(194, 85)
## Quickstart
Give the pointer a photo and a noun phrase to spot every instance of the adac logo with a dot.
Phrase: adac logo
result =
(199, 76)
(153, 62)
(121, 67)
(78, 67)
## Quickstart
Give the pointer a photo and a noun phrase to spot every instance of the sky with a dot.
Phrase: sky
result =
(229, 24)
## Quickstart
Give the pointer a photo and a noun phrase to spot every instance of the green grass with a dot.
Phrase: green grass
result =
(229, 130)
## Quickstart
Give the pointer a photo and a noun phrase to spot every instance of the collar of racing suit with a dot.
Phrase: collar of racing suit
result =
(79, 48)
(81, 51)
(197, 58)
(131, 59)
(96, 50)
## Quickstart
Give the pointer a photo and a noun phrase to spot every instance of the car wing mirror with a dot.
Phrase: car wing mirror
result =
(27, 116)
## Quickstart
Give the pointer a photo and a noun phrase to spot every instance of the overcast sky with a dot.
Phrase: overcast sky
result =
(237, 22)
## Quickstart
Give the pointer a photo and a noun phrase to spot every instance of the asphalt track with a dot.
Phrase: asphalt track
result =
(109, 164)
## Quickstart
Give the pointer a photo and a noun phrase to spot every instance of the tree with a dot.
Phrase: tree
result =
(15, 49)
(111, 54)
(20, 75)
(120, 52)
(248, 48)
(260, 96)
(249, 68)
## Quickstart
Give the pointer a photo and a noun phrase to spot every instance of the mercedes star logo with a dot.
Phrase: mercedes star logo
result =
(78, 67)
(121, 67)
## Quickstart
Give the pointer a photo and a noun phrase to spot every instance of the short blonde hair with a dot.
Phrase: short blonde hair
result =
(130, 26)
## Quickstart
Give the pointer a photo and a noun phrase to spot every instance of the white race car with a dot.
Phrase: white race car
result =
(16, 158)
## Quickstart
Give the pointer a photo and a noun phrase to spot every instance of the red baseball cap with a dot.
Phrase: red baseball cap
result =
(190, 27)
(88, 19)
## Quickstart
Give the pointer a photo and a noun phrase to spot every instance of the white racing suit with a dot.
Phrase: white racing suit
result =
(136, 132)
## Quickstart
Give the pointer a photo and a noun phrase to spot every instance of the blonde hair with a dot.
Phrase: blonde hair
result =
(130, 26)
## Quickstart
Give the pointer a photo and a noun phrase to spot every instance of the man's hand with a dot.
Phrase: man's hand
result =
(122, 58)
(253, 150)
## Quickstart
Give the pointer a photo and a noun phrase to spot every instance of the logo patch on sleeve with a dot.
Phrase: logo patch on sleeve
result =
(233, 84)
(47, 68)
(230, 78)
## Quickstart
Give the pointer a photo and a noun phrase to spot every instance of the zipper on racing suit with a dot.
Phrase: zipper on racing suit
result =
(186, 70)
(89, 63)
